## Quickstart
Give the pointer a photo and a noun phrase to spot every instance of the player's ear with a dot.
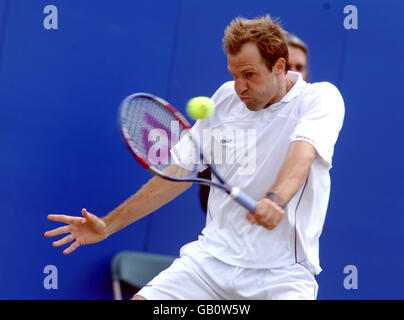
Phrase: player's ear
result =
(279, 66)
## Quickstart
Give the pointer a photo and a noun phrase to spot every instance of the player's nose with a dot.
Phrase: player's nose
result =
(240, 87)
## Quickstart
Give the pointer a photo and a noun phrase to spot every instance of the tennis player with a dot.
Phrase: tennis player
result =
(298, 52)
(274, 252)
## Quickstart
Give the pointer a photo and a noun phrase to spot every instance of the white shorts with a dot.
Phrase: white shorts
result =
(197, 275)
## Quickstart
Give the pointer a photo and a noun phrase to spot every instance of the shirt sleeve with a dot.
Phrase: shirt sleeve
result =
(320, 120)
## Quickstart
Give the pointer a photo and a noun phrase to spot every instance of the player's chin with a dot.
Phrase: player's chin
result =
(252, 106)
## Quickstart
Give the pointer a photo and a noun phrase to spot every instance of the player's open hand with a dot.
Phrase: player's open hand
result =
(81, 230)
(268, 214)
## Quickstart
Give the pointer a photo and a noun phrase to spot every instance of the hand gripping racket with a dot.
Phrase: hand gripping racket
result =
(150, 127)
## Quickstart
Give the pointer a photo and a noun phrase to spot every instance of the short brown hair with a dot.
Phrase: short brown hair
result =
(266, 33)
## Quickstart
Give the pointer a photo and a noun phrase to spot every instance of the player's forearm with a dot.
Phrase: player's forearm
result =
(153, 195)
(294, 170)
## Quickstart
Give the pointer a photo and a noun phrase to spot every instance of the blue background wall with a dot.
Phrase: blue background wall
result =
(60, 148)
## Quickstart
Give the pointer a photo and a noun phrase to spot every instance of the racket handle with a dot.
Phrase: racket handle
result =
(246, 201)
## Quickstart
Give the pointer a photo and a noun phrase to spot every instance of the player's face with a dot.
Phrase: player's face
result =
(255, 85)
(298, 61)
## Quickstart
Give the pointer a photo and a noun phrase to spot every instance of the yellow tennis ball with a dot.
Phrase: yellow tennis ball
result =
(200, 107)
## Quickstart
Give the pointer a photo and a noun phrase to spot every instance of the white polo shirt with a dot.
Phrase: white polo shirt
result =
(256, 144)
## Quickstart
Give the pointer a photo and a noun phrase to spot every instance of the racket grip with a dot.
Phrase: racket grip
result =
(245, 200)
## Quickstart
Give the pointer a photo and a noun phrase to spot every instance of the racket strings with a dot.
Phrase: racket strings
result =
(153, 131)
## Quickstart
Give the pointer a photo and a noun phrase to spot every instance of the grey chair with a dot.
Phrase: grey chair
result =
(136, 269)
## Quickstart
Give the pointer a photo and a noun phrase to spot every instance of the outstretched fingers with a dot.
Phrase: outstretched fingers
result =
(65, 240)
(66, 219)
(57, 231)
(71, 248)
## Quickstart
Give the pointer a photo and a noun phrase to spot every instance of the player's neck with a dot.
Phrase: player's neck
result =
(286, 84)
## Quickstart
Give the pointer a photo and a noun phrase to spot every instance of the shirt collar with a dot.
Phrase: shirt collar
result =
(296, 89)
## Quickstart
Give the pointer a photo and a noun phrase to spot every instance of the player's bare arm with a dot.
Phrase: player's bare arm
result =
(153, 195)
(92, 229)
(290, 178)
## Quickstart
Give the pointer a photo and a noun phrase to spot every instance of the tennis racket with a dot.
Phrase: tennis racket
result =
(150, 127)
